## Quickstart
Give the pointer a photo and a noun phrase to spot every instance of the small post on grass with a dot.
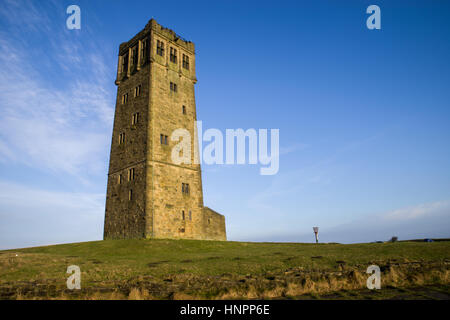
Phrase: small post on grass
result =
(316, 232)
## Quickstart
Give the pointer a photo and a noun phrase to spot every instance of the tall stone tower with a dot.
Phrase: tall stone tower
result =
(149, 196)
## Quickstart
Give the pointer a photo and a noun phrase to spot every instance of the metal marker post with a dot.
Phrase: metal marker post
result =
(316, 232)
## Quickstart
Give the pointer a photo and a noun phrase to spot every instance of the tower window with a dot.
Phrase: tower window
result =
(119, 179)
(144, 51)
(185, 188)
(122, 64)
(160, 48)
(125, 63)
(130, 195)
(137, 91)
(190, 215)
(173, 55)
(185, 61)
(182, 214)
(173, 87)
(135, 118)
(134, 57)
(125, 98)
(122, 138)
(130, 174)
(164, 139)
(184, 109)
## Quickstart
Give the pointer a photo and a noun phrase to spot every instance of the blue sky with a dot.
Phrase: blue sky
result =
(363, 115)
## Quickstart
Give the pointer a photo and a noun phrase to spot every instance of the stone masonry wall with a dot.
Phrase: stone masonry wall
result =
(124, 218)
(213, 225)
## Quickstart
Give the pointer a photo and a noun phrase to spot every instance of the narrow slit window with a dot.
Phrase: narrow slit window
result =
(144, 51)
(185, 188)
(135, 118)
(134, 57)
(137, 91)
(125, 64)
(185, 61)
(160, 48)
(163, 139)
(173, 87)
(130, 174)
(173, 55)
(122, 138)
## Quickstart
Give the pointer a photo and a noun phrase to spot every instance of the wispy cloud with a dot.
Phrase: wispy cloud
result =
(46, 124)
(418, 212)
(292, 148)
(56, 113)
(26, 16)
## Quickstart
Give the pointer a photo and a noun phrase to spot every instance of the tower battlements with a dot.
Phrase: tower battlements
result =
(167, 33)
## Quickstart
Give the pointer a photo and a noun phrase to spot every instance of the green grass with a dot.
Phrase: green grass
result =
(117, 261)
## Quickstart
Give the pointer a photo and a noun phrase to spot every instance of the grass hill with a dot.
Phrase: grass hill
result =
(191, 269)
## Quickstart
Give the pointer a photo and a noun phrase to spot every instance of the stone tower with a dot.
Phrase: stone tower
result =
(149, 196)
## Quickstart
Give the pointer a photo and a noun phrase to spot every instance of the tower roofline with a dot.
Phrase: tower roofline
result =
(167, 33)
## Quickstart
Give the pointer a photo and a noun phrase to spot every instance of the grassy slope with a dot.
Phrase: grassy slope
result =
(112, 261)
(161, 257)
